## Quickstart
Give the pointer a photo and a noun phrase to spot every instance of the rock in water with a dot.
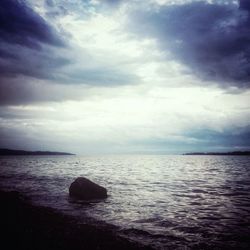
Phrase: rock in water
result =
(84, 189)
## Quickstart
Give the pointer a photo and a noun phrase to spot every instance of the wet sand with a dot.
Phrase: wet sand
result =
(29, 227)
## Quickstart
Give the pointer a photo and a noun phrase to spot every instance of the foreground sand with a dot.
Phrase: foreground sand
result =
(25, 226)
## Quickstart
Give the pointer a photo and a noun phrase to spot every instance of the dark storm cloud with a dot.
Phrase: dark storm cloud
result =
(212, 39)
(245, 4)
(19, 24)
(17, 60)
(23, 36)
(27, 45)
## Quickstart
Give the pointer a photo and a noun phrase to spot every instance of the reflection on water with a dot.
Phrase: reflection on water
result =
(194, 202)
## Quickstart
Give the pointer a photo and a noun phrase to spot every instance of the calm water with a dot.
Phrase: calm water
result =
(168, 202)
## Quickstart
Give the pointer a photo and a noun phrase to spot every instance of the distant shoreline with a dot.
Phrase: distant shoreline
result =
(220, 153)
(4, 151)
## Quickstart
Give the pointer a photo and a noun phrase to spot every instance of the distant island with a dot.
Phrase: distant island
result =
(4, 151)
(220, 153)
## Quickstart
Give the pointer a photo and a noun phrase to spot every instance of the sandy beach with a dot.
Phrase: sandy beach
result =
(26, 226)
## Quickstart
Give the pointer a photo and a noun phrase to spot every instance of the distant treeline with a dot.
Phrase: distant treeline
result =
(220, 153)
(4, 151)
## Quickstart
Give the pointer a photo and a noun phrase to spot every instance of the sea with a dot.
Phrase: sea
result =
(166, 202)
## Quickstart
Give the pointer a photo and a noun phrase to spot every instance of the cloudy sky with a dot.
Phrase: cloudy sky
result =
(134, 76)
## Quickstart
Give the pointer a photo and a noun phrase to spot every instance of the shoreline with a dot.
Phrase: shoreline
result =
(26, 226)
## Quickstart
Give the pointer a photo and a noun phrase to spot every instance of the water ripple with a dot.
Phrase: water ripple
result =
(169, 202)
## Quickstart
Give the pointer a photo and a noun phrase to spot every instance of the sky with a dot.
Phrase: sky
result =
(114, 76)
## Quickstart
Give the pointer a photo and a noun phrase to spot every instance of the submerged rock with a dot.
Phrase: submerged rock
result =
(84, 189)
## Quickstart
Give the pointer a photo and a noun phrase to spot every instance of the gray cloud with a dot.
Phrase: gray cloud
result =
(238, 138)
(114, 3)
(32, 51)
(212, 39)
(97, 76)
(23, 91)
